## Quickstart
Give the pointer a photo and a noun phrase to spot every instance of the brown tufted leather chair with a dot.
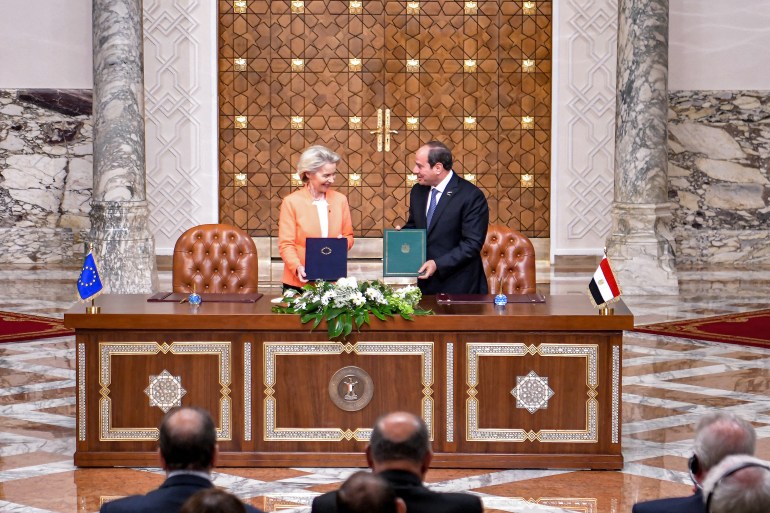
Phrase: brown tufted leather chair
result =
(509, 260)
(217, 258)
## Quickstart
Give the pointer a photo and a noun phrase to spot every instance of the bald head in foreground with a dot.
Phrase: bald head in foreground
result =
(188, 451)
(399, 452)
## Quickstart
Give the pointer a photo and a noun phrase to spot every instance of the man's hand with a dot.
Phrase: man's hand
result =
(427, 270)
(301, 274)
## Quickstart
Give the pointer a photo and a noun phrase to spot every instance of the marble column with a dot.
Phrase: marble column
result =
(123, 243)
(640, 242)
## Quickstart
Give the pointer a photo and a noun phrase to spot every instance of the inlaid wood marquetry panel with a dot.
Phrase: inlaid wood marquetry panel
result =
(476, 75)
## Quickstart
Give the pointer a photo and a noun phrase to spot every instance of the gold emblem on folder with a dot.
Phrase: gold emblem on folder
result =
(405, 248)
(326, 250)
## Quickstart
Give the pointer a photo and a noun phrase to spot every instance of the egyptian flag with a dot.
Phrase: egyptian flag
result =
(603, 287)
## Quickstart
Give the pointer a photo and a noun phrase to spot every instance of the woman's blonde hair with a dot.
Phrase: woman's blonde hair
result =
(313, 159)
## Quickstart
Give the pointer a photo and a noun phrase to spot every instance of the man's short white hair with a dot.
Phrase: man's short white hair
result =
(738, 484)
(313, 159)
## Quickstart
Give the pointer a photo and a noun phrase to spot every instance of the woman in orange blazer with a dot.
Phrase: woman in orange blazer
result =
(313, 211)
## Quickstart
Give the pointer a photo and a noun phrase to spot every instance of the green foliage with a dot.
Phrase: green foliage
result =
(347, 304)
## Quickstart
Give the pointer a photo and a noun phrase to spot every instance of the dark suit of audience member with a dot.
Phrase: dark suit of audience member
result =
(739, 484)
(717, 435)
(457, 228)
(399, 452)
(188, 451)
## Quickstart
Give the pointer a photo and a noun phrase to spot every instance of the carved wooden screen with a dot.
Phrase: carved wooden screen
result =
(476, 75)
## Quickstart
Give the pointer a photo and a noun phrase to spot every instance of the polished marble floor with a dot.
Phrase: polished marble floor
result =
(667, 384)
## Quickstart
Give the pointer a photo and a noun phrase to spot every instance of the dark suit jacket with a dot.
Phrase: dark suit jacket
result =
(418, 499)
(455, 237)
(168, 498)
(691, 504)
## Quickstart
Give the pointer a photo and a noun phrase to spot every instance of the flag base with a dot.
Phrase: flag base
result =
(606, 310)
(93, 309)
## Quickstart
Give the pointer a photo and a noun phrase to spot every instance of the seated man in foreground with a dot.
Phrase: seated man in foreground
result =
(718, 435)
(399, 452)
(188, 451)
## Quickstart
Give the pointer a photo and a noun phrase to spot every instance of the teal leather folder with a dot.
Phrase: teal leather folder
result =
(403, 252)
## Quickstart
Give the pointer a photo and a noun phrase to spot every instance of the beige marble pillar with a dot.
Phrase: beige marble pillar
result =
(640, 242)
(123, 244)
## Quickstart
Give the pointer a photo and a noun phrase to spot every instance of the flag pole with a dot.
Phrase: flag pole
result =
(93, 309)
(606, 310)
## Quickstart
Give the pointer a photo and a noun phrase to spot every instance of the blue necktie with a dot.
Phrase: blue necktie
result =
(432, 205)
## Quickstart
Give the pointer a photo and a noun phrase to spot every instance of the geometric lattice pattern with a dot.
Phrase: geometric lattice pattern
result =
(173, 113)
(165, 391)
(588, 120)
(477, 77)
(532, 392)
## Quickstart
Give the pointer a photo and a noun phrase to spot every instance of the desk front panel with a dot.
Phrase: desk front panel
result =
(496, 400)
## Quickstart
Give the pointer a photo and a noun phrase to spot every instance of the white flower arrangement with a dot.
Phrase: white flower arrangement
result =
(348, 304)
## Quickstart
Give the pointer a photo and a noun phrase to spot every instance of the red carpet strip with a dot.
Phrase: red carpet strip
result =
(15, 327)
(748, 328)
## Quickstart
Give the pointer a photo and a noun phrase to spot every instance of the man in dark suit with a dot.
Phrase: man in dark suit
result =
(717, 435)
(188, 451)
(456, 216)
(399, 452)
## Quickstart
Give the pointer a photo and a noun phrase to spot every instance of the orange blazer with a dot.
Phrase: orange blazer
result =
(299, 220)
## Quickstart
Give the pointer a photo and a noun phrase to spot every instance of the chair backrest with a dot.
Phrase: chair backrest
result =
(509, 261)
(216, 258)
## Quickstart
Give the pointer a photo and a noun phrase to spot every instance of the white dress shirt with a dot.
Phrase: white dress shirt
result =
(323, 215)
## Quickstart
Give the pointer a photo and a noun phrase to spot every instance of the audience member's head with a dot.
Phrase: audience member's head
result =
(400, 441)
(719, 435)
(364, 492)
(738, 484)
(213, 500)
(188, 440)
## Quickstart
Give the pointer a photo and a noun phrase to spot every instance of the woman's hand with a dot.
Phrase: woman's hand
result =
(301, 274)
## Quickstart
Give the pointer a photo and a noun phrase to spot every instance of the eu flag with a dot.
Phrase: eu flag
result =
(89, 283)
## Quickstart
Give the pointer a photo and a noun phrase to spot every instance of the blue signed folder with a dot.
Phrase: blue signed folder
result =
(326, 258)
(403, 251)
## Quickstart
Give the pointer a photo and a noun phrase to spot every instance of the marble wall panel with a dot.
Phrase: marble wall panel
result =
(46, 175)
(719, 184)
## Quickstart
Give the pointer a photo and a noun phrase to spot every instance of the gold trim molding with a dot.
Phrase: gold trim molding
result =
(589, 352)
(247, 391)
(274, 433)
(615, 394)
(81, 391)
(108, 349)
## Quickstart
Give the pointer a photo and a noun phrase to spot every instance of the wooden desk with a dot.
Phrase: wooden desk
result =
(523, 386)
